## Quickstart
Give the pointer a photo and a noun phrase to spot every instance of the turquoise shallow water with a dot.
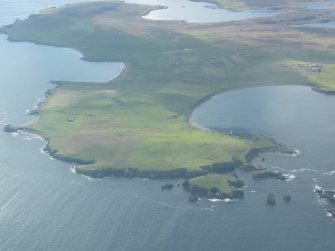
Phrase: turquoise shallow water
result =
(45, 206)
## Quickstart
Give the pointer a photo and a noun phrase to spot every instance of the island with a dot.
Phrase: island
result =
(138, 124)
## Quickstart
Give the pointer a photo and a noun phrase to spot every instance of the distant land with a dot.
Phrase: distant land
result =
(138, 124)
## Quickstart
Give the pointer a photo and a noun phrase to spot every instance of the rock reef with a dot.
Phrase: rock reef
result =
(231, 191)
(287, 198)
(271, 200)
(331, 212)
(264, 174)
(167, 187)
(326, 194)
(10, 128)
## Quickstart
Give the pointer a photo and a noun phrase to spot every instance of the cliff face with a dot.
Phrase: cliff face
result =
(198, 191)
(215, 186)
(215, 181)
(133, 172)
(10, 128)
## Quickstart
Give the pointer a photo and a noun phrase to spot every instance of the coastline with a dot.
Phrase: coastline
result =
(134, 172)
(179, 169)
(314, 87)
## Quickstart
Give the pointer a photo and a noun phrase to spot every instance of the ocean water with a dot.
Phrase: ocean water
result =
(295, 116)
(45, 206)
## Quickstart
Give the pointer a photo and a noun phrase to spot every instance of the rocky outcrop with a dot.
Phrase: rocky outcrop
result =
(198, 191)
(98, 173)
(52, 152)
(212, 193)
(214, 190)
(186, 184)
(249, 168)
(132, 172)
(331, 212)
(55, 154)
(264, 174)
(34, 112)
(254, 152)
(271, 200)
(328, 92)
(195, 173)
(167, 174)
(287, 198)
(236, 183)
(167, 187)
(223, 167)
(237, 194)
(192, 198)
(10, 128)
(327, 194)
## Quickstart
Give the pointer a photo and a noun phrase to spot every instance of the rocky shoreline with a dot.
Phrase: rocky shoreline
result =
(183, 173)
(326, 194)
(214, 193)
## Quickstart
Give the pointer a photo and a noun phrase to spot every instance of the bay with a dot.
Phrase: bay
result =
(198, 12)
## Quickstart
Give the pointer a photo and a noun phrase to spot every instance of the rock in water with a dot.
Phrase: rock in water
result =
(236, 183)
(271, 199)
(10, 128)
(193, 198)
(264, 174)
(167, 187)
(248, 168)
(287, 198)
(327, 194)
(331, 211)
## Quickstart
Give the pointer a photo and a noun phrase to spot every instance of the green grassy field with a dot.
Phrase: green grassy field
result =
(220, 181)
(141, 119)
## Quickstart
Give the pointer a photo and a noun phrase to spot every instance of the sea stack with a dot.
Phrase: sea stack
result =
(287, 198)
(271, 199)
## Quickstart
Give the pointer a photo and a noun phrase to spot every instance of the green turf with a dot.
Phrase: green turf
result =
(220, 181)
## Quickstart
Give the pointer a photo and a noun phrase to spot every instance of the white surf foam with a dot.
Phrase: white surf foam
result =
(329, 214)
(331, 173)
(73, 169)
(228, 200)
(296, 152)
(15, 134)
(304, 170)
(289, 177)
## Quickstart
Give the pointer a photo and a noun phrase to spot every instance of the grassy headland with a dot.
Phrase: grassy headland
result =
(138, 124)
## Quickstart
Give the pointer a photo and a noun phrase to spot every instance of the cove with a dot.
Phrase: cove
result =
(27, 70)
(281, 112)
(198, 12)
(293, 115)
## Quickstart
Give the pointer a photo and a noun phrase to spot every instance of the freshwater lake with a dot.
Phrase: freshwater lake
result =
(45, 206)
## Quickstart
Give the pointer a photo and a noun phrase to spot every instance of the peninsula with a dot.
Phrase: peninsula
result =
(138, 124)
